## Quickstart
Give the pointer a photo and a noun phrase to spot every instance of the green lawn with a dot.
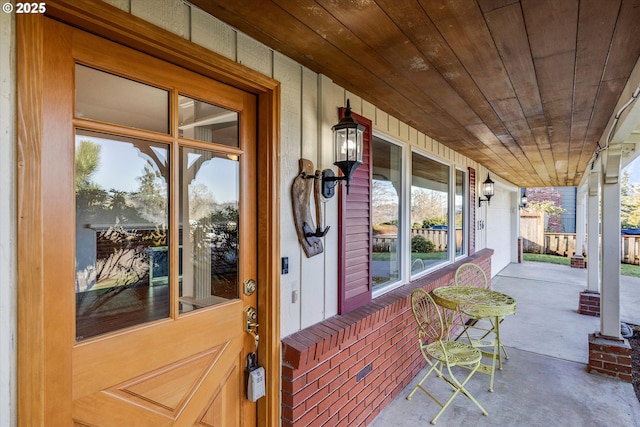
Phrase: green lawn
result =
(625, 269)
(386, 256)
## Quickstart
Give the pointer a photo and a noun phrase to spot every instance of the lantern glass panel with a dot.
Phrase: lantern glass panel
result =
(488, 189)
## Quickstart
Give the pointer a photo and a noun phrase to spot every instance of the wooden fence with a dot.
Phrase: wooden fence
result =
(388, 242)
(631, 249)
(535, 240)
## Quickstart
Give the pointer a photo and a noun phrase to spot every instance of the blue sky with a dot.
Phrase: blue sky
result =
(634, 171)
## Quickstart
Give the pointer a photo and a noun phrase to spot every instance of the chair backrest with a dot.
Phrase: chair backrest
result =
(470, 274)
(427, 315)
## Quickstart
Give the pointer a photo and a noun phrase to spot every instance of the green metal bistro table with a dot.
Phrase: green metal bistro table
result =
(476, 303)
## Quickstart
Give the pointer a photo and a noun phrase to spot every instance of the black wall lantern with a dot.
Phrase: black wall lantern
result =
(487, 191)
(347, 141)
(523, 199)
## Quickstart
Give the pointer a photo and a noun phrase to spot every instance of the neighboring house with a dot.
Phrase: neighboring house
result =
(149, 247)
(562, 197)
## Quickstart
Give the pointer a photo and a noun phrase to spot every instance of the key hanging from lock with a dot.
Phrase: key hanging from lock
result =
(255, 372)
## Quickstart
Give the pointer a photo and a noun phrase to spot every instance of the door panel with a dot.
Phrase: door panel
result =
(186, 366)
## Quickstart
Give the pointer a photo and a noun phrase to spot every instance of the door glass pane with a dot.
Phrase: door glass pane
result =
(113, 99)
(385, 200)
(121, 232)
(429, 213)
(460, 210)
(209, 194)
(206, 122)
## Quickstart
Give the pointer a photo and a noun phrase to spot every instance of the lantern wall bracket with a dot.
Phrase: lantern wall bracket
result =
(308, 231)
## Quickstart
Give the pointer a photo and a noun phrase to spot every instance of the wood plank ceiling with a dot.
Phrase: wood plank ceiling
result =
(525, 88)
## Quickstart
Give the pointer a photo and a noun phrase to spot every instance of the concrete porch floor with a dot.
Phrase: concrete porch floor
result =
(545, 381)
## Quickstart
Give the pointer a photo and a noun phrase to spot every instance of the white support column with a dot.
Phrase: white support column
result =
(593, 233)
(610, 292)
(581, 222)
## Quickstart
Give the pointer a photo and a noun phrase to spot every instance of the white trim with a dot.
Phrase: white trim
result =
(8, 249)
(402, 216)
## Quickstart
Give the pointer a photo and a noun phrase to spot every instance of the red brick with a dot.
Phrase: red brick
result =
(334, 386)
(346, 409)
(357, 346)
(625, 377)
(348, 363)
(624, 360)
(333, 421)
(340, 403)
(307, 418)
(596, 364)
(316, 398)
(329, 377)
(356, 390)
(320, 420)
(299, 397)
(328, 403)
(614, 367)
(293, 413)
(338, 359)
(317, 372)
(346, 386)
(294, 386)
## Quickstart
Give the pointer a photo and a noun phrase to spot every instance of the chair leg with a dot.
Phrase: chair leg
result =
(434, 367)
(459, 387)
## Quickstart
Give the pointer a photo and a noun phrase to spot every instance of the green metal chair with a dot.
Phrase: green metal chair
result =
(441, 353)
(470, 274)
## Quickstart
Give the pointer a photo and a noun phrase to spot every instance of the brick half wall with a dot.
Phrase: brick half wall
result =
(345, 370)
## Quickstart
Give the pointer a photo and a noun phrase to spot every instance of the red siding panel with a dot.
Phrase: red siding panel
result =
(354, 228)
(472, 211)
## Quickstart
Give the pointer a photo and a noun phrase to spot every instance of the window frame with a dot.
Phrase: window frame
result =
(451, 190)
(402, 217)
(465, 212)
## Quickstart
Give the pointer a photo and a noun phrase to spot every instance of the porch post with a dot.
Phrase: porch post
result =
(593, 232)
(589, 302)
(577, 258)
(610, 293)
(609, 353)
(580, 222)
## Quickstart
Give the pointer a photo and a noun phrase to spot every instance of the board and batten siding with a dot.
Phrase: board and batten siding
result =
(309, 108)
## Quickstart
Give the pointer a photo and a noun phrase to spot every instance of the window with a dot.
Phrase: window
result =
(398, 224)
(429, 213)
(130, 252)
(460, 213)
(386, 202)
(122, 212)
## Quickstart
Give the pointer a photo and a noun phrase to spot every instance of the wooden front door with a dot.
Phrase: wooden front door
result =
(149, 234)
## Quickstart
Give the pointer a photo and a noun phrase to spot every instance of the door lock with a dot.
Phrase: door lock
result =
(249, 287)
(251, 327)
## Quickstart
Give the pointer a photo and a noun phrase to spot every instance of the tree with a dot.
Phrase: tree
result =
(152, 196)
(87, 162)
(629, 203)
(429, 205)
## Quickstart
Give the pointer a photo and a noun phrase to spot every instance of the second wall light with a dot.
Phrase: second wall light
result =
(487, 191)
